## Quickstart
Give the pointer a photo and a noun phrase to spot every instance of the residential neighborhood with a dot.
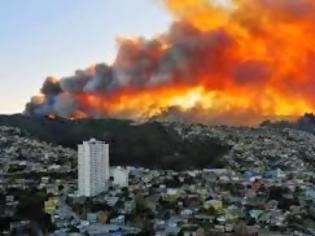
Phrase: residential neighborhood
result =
(157, 118)
(255, 199)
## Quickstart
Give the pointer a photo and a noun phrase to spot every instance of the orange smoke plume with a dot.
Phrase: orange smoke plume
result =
(234, 63)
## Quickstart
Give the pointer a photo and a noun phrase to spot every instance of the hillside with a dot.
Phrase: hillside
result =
(150, 144)
(23, 154)
(261, 148)
(179, 145)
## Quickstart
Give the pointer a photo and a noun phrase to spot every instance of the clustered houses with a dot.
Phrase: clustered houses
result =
(266, 188)
(30, 171)
(200, 202)
(24, 155)
(258, 148)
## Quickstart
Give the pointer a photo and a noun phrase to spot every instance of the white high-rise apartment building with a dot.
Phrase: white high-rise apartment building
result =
(93, 167)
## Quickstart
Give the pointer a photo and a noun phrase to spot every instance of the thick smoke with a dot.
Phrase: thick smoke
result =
(235, 64)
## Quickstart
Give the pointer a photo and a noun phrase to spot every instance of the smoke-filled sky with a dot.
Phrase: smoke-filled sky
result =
(40, 38)
(235, 62)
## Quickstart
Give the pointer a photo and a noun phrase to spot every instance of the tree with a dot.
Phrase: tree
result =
(141, 204)
(31, 206)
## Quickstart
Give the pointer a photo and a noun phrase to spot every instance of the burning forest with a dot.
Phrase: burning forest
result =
(237, 63)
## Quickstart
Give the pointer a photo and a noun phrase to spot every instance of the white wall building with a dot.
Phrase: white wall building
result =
(93, 167)
(120, 175)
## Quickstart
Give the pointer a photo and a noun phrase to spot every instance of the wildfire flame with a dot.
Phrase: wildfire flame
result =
(233, 63)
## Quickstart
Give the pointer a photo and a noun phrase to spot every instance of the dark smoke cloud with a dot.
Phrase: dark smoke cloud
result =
(76, 83)
(65, 105)
(218, 54)
(103, 80)
(145, 64)
(51, 87)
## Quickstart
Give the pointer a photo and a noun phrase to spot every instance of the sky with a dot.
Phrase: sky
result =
(40, 38)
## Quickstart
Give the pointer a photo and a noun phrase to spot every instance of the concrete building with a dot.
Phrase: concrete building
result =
(93, 167)
(120, 175)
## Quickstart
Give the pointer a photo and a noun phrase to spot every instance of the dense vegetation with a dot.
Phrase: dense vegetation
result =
(149, 144)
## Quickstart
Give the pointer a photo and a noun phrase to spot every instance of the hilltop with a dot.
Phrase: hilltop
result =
(150, 144)
(171, 145)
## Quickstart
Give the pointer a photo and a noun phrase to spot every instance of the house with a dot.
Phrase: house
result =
(129, 205)
(276, 174)
(216, 204)
(91, 217)
(51, 205)
(119, 220)
(193, 230)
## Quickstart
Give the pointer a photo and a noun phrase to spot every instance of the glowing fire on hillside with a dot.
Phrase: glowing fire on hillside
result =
(220, 64)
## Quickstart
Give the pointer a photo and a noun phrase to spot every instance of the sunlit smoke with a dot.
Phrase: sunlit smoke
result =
(221, 62)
